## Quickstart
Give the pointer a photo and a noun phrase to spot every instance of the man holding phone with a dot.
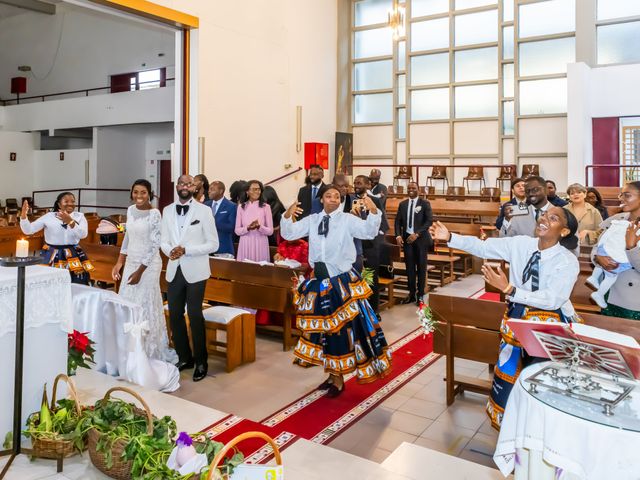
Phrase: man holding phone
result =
(518, 197)
(521, 221)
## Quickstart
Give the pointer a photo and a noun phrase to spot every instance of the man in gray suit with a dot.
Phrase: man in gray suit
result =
(519, 222)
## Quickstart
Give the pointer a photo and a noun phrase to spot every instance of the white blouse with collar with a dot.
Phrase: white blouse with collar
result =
(54, 232)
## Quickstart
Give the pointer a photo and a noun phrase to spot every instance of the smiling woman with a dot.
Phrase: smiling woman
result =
(542, 274)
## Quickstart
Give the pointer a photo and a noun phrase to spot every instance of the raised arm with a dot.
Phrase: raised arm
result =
(291, 229)
(80, 230)
(365, 229)
(494, 248)
(29, 228)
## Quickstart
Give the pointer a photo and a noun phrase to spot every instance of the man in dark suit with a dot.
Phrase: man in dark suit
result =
(518, 197)
(371, 249)
(341, 182)
(378, 190)
(552, 197)
(308, 195)
(224, 212)
(412, 224)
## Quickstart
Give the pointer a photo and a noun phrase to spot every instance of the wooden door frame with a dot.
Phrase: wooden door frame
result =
(183, 22)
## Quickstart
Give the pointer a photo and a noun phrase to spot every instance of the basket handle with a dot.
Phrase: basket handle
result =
(218, 458)
(144, 404)
(72, 392)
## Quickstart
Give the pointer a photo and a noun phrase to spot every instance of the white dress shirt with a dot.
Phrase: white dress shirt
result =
(410, 215)
(337, 249)
(559, 268)
(181, 218)
(54, 232)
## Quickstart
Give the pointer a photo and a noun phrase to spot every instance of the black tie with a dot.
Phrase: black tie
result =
(410, 214)
(532, 271)
(323, 226)
(182, 209)
(537, 213)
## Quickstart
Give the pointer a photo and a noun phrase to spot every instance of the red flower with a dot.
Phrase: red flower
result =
(79, 341)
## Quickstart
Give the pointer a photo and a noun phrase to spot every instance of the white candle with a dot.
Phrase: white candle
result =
(22, 248)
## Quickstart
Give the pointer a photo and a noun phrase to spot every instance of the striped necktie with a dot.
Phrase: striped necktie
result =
(323, 226)
(532, 271)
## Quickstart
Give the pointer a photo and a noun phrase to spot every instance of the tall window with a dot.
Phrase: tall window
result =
(129, 82)
(472, 82)
(618, 31)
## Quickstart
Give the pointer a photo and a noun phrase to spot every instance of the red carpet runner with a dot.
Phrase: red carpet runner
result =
(321, 419)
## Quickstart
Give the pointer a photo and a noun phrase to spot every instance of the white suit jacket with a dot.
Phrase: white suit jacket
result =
(199, 238)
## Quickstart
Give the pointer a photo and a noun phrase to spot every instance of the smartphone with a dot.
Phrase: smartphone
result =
(517, 210)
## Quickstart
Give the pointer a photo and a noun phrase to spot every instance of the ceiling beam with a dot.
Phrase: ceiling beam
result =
(34, 5)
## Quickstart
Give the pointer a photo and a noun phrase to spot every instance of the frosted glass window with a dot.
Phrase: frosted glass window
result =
(508, 118)
(430, 34)
(149, 79)
(430, 104)
(374, 108)
(430, 69)
(373, 43)
(402, 55)
(608, 9)
(477, 101)
(507, 43)
(507, 80)
(545, 18)
(370, 12)
(461, 4)
(543, 96)
(546, 57)
(507, 10)
(477, 28)
(402, 123)
(420, 8)
(476, 64)
(619, 43)
(402, 89)
(372, 75)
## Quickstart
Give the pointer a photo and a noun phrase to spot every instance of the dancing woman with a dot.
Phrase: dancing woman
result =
(542, 273)
(340, 331)
(63, 230)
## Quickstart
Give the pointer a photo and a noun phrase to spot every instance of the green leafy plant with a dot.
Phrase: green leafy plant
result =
(367, 275)
(59, 423)
(118, 420)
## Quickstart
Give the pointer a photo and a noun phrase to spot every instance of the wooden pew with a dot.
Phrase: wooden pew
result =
(470, 329)
(10, 235)
(103, 258)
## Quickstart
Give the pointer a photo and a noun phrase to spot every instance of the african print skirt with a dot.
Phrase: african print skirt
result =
(70, 257)
(512, 358)
(340, 330)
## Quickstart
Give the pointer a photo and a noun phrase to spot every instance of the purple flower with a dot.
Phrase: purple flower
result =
(184, 440)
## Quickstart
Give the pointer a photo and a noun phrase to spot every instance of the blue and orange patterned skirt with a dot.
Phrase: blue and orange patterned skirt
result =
(512, 358)
(340, 330)
(70, 257)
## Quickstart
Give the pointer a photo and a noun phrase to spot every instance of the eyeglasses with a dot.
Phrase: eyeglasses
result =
(626, 195)
(552, 217)
(183, 184)
(533, 190)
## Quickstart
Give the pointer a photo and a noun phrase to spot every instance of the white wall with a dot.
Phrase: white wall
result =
(52, 173)
(146, 106)
(93, 46)
(596, 92)
(16, 178)
(257, 61)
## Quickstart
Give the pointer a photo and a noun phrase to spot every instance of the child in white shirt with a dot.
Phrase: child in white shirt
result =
(610, 244)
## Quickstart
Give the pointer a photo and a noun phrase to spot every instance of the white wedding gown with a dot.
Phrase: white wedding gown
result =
(151, 361)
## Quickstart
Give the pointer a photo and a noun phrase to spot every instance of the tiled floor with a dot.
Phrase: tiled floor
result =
(417, 413)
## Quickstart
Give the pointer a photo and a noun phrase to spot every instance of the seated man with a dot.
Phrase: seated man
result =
(224, 213)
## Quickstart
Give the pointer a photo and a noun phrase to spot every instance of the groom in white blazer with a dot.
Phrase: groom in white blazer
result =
(189, 235)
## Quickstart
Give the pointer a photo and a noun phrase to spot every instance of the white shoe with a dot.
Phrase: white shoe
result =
(593, 281)
(599, 299)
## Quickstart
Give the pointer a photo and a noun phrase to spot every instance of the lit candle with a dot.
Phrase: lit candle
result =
(22, 248)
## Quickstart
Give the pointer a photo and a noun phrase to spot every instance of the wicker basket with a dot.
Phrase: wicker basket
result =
(232, 444)
(121, 469)
(57, 448)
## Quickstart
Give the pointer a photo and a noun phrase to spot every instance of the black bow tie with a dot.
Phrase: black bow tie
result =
(182, 209)
(323, 226)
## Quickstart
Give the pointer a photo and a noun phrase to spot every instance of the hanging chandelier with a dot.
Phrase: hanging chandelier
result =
(396, 20)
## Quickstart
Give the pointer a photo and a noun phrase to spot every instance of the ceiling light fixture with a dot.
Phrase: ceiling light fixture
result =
(396, 20)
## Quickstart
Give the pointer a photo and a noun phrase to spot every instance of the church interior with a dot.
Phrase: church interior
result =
(420, 199)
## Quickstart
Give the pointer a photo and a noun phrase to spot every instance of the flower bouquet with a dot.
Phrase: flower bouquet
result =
(425, 316)
(81, 352)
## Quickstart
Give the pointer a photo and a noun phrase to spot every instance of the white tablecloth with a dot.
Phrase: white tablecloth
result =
(48, 315)
(114, 324)
(579, 447)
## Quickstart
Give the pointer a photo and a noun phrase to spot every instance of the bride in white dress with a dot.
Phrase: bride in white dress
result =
(152, 362)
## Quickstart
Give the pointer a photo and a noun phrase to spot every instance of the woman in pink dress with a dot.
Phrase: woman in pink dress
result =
(254, 224)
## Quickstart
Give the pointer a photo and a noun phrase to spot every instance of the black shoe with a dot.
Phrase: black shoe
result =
(326, 385)
(199, 373)
(407, 300)
(184, 365)
(334, 391)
